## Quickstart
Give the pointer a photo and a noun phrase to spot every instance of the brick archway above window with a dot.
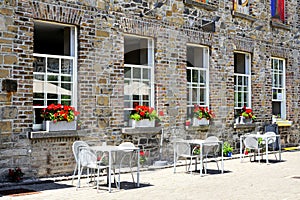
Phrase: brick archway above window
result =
(57, 13)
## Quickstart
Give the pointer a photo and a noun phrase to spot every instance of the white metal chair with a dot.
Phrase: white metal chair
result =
(75, 148)
(184, 152)
(251, 143)
(211, 148)
(87, 158)
(271, 141)
(126, 155)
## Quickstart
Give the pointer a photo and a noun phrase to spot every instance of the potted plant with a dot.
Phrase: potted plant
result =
(202, 115)
(15, 175)
(59, 117)
(143, 116)
(227, 149)
(245, 116)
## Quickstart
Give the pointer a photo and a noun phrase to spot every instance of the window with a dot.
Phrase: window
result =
(138, 73)
(197, 77)
(278, 10)
(241, 6)
(278, 88)
(242, 81)
(54, 67)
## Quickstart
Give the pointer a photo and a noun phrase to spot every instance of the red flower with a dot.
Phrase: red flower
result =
(142, 153)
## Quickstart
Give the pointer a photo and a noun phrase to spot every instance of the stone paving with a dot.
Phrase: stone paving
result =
(246, 180)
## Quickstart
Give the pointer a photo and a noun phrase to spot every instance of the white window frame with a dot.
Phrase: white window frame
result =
(200, 85)
(72, 57)
(241, 88)
(278, 74)
(128, 103)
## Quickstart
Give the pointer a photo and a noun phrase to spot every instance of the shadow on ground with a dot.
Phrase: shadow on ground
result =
(125, 185)
(31, 188)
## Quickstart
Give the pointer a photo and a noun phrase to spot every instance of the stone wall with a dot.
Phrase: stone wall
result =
(101, 28)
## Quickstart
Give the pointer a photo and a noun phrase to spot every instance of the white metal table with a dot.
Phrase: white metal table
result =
(201, 144)
(265, 138)
(114, 149)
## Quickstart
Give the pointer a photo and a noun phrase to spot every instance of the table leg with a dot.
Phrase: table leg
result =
(267, 148)
(279, 146)
(109, 171)
(138, 169)
(174, 158)
(222, 161)
(201, 159)
(241, 148)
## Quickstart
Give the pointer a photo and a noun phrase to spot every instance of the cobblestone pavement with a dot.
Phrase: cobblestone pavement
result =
(246, 180)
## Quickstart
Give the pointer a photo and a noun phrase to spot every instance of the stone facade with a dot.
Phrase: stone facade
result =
(102, 25)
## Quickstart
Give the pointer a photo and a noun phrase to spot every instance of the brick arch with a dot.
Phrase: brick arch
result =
(57, 13)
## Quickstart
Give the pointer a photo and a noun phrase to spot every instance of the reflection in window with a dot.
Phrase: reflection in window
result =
(197, 77)
(241, 6)
(138, 73)
(53, 65)
(278, 88)
(242, 81)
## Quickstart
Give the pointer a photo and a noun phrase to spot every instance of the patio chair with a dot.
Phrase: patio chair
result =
(75, 148)
(211, 148)
(87, 158)
(126, 155)
(271, 142)
(186, 153)
(251, 143)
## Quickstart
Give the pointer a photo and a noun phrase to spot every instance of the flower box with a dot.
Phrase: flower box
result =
(200, 122)
(59, 126)
(142, 123)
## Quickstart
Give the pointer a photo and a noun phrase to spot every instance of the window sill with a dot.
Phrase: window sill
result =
(138, 130)
(201, 5)
(243, 16)
(54, 134)
(197, 128)
(280, 25)
(244, 126)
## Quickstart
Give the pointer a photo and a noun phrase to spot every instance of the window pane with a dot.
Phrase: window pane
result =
(53, 65)
(39, 64)
(195, 76)
(146, 74)
(127, 72)
(66, 66)
(137, 73)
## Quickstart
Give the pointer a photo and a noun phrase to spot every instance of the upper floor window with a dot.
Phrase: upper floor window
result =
(138, 73)
(197, 77)
(241, 6)
(278, 88)
(54, 67)
(242, 81)
(278, 10)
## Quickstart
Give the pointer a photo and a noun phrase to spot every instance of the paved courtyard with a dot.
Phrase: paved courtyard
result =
(247, 180)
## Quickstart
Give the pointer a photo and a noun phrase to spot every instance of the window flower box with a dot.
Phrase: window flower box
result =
(200, 122)
(59, 117)
(59, 126)
(142, 123)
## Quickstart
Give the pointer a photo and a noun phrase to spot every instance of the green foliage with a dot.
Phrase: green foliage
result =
(227, 148)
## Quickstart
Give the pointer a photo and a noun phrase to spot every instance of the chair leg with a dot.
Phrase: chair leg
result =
(74, 173)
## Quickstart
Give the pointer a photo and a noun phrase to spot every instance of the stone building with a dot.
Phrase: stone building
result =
(90, 53)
